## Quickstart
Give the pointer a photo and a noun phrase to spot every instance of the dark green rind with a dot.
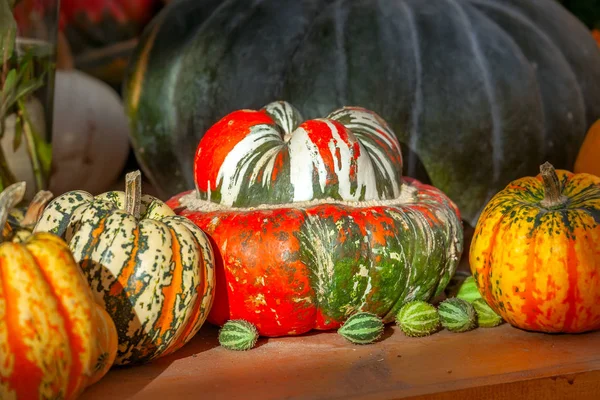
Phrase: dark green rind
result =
(238, 335)
(362, 328)
(457, 315)
(413, 263)
(443, 86)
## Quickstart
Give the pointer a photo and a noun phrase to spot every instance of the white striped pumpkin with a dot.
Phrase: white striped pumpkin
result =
(152, 270)
(272, 158)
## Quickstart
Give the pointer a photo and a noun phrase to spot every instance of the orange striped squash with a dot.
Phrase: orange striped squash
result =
(535, 252)
(152, 270)
(55, 340)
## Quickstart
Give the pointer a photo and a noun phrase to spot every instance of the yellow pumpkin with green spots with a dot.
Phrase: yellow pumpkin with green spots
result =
(535, 252)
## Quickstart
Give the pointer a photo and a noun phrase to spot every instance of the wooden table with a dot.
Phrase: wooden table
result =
(491, 364)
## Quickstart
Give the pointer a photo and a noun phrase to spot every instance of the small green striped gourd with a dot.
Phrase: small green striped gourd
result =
(486, 317)
(418, 318)
(362, 328)
(238, 335)
(468, 290)
(457, 315)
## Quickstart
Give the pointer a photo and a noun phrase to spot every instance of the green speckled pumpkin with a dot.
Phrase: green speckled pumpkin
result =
(312, 220)
(480, 92)
(152, 271)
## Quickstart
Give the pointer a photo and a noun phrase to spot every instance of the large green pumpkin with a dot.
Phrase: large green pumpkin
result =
(480, 91)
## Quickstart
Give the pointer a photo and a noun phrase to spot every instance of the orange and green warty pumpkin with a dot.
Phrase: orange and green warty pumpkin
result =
(152, 270)
(55, 340)
(535, 253)
(312, 221)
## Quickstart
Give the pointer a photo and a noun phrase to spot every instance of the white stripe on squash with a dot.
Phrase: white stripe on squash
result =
(245, 162)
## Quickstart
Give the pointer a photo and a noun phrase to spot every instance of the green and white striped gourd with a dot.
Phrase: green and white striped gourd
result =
(457, 315)
(238, 335)
(362, 328)
(418, 318)
(486, 317)
(152, 271)
(468, 290)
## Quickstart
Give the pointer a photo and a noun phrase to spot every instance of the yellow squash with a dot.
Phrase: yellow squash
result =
(535, 253)
(54, 339)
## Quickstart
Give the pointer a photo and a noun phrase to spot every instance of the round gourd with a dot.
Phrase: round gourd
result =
(311, 220)
(153, 271)
(89, 135)
(479, 92)
(418, 318)
(238, 335)
(535, 251)
(587, 158)
(55, 340)
(468, 290)
(457, 315)
(362, 328)
(486, 317)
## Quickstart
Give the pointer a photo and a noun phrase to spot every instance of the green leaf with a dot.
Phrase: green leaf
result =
(8, 30)
(9, 83)
(18, 133)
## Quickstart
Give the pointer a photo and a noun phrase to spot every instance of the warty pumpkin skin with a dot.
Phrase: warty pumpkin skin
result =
(535, 253)
(55, 340)
(153, 271)
(479, 92)
(305, 254)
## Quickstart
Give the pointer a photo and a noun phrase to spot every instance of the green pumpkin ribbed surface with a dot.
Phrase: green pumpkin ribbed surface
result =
(418, 318)
(468, 290)
(486, 317)
(362, 328)
(457, 315)
(238, 335)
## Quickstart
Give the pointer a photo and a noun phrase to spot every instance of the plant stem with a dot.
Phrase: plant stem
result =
(553, 197)
(36, 208)
(133, 193)
(9, 198)
(29, 135)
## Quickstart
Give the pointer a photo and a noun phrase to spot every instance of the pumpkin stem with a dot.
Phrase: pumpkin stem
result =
(133, 193)
(36, 208)
(553, 197)
(9, 198)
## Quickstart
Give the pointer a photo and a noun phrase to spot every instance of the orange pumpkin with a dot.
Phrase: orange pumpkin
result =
(587, 159)
(54, 339)
(535, 253)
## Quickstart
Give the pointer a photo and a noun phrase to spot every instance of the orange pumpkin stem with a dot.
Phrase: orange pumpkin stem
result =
(36, 208)
(553, 197)
(133, 193)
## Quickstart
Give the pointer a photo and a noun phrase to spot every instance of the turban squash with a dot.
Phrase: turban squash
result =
(535, 253)
(151, 270)
(55, 340)
(312, 221)
(478, 92)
